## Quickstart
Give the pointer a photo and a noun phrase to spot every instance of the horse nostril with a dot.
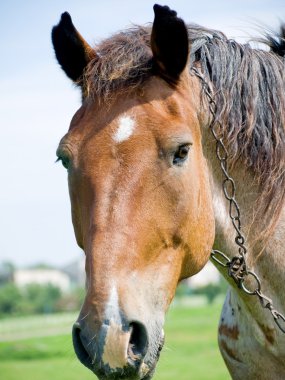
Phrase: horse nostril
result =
(138, 342)
(79, 348)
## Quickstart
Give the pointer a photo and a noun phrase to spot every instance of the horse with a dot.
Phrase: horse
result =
(148, 192)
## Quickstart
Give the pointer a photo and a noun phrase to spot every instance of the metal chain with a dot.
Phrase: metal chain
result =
(237, 267)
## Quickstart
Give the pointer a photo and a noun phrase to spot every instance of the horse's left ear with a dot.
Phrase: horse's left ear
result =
(169, 43)
(72, 51)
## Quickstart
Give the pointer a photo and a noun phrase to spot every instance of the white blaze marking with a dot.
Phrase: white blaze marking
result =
(125, 129)
(112, 307)
(115, 353)
(116, 346)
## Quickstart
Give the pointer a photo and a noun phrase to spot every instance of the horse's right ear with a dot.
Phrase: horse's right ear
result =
(169, 43)
(72, 51)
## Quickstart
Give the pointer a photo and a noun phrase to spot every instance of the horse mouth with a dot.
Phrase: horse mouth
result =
(145, 371)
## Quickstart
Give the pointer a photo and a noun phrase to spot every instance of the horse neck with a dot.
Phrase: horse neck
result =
(264, 257)
(245, 195)
(248, 194)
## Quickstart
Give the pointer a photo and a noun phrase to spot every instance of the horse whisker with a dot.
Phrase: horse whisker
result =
(91, 340)
(81, 319)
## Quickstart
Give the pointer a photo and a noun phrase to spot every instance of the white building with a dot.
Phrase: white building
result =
(23, 277)
(208, 275)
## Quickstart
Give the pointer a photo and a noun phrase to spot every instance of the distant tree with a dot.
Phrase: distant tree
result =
(41, 266)
(183, 290)
(10, 297)
(71, 301)
(6, 272)
(37, 299)
(211, 291)
(43, 297)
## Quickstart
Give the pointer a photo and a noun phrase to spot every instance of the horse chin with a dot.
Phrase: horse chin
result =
(147, 370)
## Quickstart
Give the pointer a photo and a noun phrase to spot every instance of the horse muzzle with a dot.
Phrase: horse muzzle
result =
(120, 349)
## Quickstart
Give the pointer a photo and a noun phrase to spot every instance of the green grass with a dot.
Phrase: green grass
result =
(190, 352)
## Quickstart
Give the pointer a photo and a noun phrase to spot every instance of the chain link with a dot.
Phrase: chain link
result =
(237, 266)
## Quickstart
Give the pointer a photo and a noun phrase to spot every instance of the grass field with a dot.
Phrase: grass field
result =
(40, 348)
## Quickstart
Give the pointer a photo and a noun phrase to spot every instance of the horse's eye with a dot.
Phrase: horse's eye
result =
(181, 154)
(64, 161)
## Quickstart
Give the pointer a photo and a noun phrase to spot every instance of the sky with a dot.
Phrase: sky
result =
(38, 101)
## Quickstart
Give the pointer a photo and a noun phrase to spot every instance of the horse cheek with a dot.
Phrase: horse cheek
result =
(200, 232)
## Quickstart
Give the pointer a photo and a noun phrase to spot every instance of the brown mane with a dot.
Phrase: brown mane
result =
(124, 64)
(250, 93)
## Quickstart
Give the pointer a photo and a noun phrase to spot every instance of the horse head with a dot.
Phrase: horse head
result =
(139, 188)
